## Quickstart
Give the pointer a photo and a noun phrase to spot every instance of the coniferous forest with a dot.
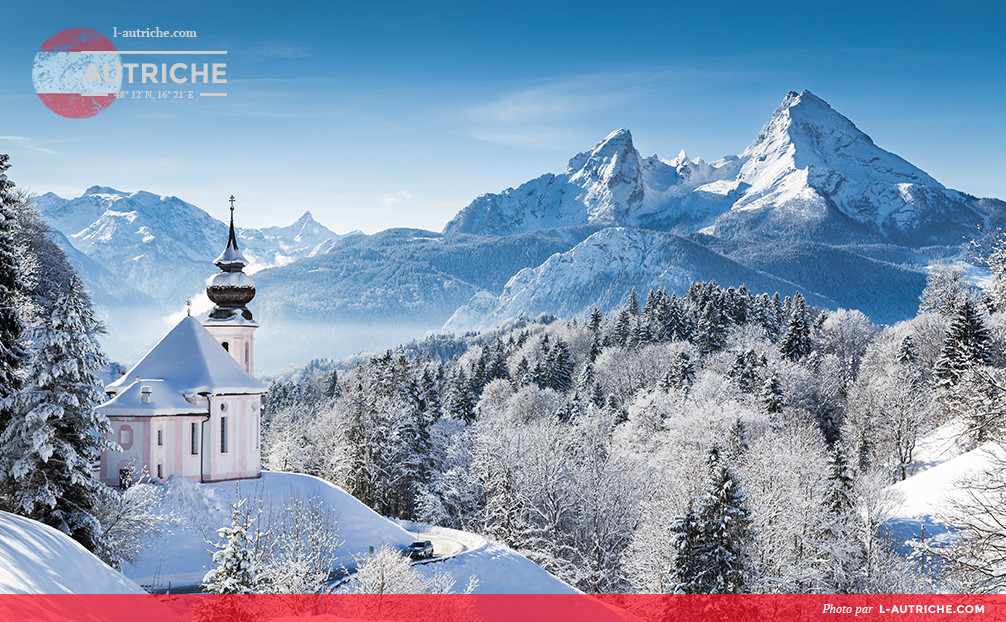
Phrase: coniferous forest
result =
(724, 441)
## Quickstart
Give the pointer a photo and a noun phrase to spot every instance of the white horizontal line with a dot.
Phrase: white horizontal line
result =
(153, 52)
(94, 94)
(213, 95)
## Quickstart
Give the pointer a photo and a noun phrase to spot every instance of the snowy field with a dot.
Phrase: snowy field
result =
(924, 500)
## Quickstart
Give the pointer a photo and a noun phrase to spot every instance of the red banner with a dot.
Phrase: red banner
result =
(500, 608)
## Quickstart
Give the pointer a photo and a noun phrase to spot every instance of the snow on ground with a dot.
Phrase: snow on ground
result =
(180, 555)
(926, 498)
(499, 569)
(933, 490)
(37, 559)
(940, 445)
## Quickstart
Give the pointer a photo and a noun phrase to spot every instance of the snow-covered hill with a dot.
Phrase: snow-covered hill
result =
(497, 568)
(602, 270)
(945, 471)
(37, 559)
(181, 556)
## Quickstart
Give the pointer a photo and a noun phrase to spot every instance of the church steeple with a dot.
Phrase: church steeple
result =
(231, 260)
(230, 289)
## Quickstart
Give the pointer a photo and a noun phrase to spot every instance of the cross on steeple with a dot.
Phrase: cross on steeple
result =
(232, 202)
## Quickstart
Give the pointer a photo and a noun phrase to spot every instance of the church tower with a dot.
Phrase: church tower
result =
(231, 290)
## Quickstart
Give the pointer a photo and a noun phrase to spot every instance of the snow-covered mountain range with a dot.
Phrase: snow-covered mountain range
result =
(610, 185)
(159, 245)
(812, 204)
(809, 174)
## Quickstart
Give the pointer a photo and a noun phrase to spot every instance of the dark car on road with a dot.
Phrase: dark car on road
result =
(420, 549)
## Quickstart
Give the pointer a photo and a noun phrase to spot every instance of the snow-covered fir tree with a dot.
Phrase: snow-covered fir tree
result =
(715, 540)
(234, 561)
(55, 434)
(965, 346)
(12, 355)
(795, 343)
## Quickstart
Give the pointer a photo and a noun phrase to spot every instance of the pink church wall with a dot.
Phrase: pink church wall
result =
(242, 460)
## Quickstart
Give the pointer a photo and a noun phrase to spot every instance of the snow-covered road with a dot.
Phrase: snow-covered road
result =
(443, 545)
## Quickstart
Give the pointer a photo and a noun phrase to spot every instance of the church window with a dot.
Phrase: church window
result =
(226, 346)
(223, 435)
(125, 436)
(160, 438)
(160, 471)
(195, 438)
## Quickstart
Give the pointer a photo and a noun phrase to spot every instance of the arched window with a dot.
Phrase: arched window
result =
(247, 356)
(126, 437)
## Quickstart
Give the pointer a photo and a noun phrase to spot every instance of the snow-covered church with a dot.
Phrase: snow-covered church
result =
(191, 406)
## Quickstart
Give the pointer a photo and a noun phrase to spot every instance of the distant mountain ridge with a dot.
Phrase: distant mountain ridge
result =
(163, 246)
(811, 205)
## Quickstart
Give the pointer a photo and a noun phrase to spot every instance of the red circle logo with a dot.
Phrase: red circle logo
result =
(77, 73)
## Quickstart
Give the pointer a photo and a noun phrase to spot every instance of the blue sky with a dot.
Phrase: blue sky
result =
(373, 115)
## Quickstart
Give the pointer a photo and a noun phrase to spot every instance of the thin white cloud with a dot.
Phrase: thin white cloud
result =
(543, 114)
(27, 143)
(399, 197)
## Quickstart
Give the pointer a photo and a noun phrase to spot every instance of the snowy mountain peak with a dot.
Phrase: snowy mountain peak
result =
(812, 173)
(808, 121)
(103, 190)
(615, 145)
(805, 131)
(616, 141)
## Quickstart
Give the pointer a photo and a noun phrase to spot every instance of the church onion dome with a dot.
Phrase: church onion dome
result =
(230, 289)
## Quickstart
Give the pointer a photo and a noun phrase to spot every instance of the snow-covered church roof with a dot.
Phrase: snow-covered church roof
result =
(190, 361)
(150, 397)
